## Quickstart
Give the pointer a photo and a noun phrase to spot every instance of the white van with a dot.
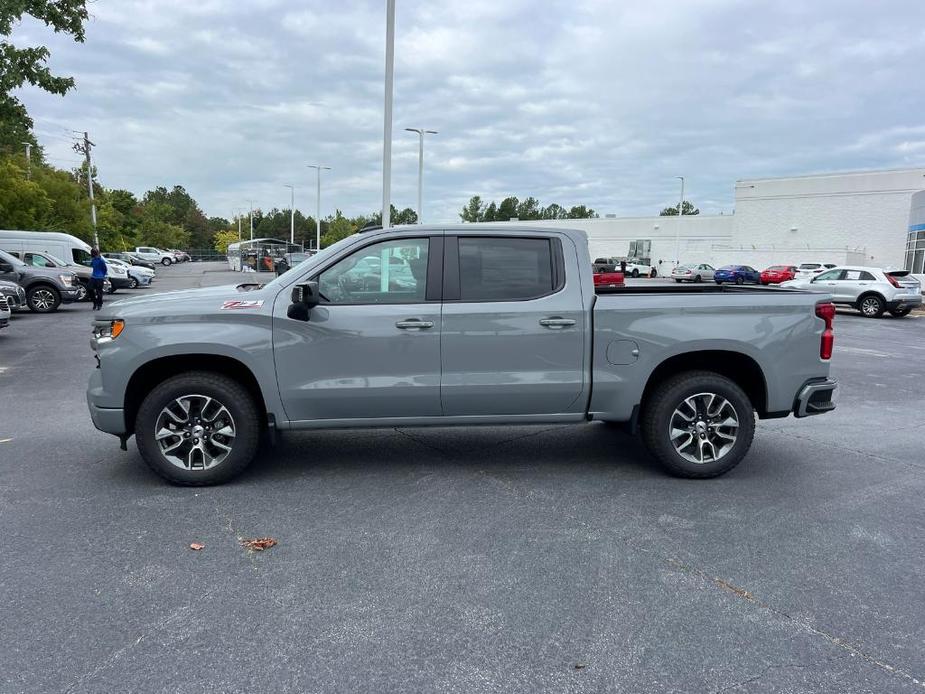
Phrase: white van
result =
(59, 246)
(69, 248)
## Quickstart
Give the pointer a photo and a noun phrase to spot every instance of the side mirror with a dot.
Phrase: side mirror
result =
(304, 298)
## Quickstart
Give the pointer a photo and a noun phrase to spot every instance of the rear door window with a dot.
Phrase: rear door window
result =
(505, 269)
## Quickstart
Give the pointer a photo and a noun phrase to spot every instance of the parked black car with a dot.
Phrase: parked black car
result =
(46, 288)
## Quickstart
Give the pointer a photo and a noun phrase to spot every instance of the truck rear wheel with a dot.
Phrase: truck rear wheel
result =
(198, 428)
(698, 424)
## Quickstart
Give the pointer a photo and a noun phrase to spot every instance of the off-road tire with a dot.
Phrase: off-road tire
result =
(660, 405)
(239, 403)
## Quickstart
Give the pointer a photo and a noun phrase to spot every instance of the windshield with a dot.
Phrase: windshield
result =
(15, 262)
(729, 267)
(810, 266)
(81, 257)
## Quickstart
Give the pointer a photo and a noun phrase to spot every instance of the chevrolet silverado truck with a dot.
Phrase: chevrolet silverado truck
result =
(454, 325)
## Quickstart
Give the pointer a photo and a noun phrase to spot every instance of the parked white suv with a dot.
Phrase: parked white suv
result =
(155, 255)
(870, 290)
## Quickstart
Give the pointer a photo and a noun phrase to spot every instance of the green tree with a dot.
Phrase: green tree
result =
(507, 209)
(491, 213)
(405, 216)
(155, 229)
(339, 227)
(528, 208)
(472, 212)
(23, 203)
(581, 212)
(20, 66)
(70, 207)
(224, 238)
(689, 209)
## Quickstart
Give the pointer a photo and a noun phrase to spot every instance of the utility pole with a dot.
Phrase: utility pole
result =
(28, 160)
(318, 168)
(84, 148)
(677, 247)
(387, 115)
(251, 203)
(421, 132)
(239, 212)
(291, 213)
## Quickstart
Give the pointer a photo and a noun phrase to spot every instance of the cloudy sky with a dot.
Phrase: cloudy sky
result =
(600, 102)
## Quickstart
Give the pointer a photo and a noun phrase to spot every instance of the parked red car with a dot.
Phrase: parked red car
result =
(608, 279)
(778, 273)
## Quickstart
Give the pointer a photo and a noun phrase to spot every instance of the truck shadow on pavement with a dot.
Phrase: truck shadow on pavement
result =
(547, 449)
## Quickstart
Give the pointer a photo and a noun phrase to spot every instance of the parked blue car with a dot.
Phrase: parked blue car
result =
(737, 274)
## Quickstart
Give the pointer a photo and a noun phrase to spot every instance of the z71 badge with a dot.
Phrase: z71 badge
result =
(236, 304)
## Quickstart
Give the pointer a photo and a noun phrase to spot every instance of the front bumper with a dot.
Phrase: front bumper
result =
(69, 294)
(108, 419)
(816, 397)
(120, 282)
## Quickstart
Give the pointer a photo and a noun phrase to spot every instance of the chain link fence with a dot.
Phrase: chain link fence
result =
(206, 255)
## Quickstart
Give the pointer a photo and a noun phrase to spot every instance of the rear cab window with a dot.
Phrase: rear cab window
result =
(508, 268)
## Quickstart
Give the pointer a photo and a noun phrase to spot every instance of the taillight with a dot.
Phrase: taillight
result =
(826, 311)
(893, 281)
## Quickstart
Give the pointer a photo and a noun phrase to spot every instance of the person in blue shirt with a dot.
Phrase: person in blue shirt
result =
(96, 279)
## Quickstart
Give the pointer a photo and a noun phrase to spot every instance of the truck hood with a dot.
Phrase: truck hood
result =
(188, 302)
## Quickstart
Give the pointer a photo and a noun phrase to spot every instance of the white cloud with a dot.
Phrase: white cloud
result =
(579, 101)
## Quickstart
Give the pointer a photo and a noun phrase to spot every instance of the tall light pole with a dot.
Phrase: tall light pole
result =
(291, 212)
(28, 159)
(421, 132)
(251, 203)
(387, 115)
(239, 212)
(677, 246)
(318, 168)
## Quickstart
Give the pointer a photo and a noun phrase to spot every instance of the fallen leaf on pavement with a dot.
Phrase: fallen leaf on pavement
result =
(259, 544)
(196, 545)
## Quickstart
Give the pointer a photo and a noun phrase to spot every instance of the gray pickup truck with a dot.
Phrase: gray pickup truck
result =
(454, 325)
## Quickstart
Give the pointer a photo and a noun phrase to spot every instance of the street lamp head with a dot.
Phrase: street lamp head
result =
(431, 132)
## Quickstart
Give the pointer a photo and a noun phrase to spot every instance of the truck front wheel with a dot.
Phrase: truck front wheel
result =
(198, 428)
(698, 424)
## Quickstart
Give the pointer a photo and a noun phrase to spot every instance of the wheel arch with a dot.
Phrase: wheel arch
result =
(153, 372)
(736, 366)
(870, 293)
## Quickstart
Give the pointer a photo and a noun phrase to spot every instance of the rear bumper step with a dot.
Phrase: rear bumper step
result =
(817, 397)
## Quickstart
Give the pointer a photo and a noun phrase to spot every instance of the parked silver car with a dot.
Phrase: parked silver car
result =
(693, 273)
(870, 290)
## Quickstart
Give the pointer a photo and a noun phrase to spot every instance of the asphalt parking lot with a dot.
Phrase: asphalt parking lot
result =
(541, 559)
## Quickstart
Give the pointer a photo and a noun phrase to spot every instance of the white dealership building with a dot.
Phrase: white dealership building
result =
(867, 218)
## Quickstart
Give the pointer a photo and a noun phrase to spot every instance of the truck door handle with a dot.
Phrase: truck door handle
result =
(557, 322)
(413, 323)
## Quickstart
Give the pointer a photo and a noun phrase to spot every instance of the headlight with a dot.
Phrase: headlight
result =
(67, 280)
(109, 330)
